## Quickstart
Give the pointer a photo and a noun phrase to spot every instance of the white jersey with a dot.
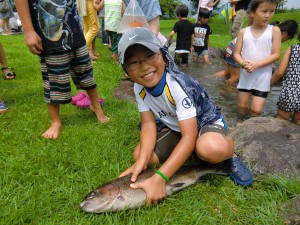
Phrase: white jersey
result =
(256, 50)
(171, 106)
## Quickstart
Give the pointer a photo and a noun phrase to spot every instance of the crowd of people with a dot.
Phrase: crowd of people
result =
(194, 125)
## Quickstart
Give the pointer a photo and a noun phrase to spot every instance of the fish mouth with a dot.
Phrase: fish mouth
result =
(96, 206)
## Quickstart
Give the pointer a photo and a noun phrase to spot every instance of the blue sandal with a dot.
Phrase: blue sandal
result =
(240, 173)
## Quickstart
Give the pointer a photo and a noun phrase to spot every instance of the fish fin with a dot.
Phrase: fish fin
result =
(178, 185)
(203, 178)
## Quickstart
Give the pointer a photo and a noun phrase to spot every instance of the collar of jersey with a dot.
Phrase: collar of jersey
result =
(159, 88)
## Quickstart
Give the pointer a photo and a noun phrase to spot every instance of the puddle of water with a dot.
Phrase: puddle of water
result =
(223, 94)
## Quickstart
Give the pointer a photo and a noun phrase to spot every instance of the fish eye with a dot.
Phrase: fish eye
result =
(121, 198)
(92, 194)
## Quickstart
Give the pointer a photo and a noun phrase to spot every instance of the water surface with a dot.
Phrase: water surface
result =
(223, 94)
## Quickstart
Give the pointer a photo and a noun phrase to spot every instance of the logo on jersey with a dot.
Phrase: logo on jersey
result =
(187, 103)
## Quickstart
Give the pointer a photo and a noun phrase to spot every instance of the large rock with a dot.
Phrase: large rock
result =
(291, 210)
(269, 145)
(216, 53)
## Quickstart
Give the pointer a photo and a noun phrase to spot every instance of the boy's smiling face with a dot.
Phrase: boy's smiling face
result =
(151, 66)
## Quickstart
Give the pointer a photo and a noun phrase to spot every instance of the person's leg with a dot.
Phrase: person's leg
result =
(2, 24)
(93, 26)
(94, 48)
(8, 29)
(243, 102)
(281, 114)
(237, 23)
(96, 107)
(257, 105)
(177, 58)
(154, 25)
(57, 88)
(3, 61)
(153, 159)
(166, 141)
(8, 74)
(223, 73)
(297, 118)
(206, 59)
(82, 75)
(54, 130)
(195, 56)
(114, 46)
(184, 59)
(104, 33)
(234, 74)
(214, 147)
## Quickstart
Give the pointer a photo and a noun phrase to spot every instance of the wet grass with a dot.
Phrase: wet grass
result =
(43, 181)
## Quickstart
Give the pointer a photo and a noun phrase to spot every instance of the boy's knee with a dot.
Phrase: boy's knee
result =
(214, 151)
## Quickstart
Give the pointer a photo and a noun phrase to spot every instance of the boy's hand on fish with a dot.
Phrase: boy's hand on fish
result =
(135, 170)
(155, 188)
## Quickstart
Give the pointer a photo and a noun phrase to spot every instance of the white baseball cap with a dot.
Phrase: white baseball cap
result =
(138, 35)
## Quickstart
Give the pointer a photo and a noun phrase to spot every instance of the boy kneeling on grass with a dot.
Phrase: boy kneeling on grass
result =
(194, 122)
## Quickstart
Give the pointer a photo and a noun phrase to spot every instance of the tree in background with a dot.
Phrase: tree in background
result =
(168, 7)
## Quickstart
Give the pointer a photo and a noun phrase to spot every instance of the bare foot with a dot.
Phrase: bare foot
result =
(220, 74)
(53, 131)
(100, 115)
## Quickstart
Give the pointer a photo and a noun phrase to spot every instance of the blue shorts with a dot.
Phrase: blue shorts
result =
(229, 58)
(56, 71)
(200, 53)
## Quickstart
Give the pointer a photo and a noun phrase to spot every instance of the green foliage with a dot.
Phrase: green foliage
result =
(168, 8)
(43, 181)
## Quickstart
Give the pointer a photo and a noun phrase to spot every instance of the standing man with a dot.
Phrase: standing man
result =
(239, 19)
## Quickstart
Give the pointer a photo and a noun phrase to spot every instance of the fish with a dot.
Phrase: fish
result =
(117, 194)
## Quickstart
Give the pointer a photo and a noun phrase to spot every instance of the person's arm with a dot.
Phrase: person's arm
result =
(215, 2)
(32, 39)
(96, 4)
(155, 186)
(147, 145)
(282, 66)
(100, 6)
(208, 42)
(238, 48)
(275, 54)
(170, 36)
(123, 7)
(192, 43)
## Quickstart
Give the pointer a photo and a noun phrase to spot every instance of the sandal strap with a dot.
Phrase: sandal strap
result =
(5, 68)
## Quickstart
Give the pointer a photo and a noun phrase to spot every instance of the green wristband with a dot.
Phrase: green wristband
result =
(242, 64)
(162, 175)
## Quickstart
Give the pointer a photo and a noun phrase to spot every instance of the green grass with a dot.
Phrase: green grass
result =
(43, 181)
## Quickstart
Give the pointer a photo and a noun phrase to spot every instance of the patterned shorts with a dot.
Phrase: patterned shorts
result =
(57, 69)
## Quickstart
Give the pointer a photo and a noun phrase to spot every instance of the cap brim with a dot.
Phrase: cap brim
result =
(150, 46)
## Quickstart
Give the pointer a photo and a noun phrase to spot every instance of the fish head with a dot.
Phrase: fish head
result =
(101, 199)
(113, 197)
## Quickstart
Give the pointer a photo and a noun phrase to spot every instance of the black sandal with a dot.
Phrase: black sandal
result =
(9, 75)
